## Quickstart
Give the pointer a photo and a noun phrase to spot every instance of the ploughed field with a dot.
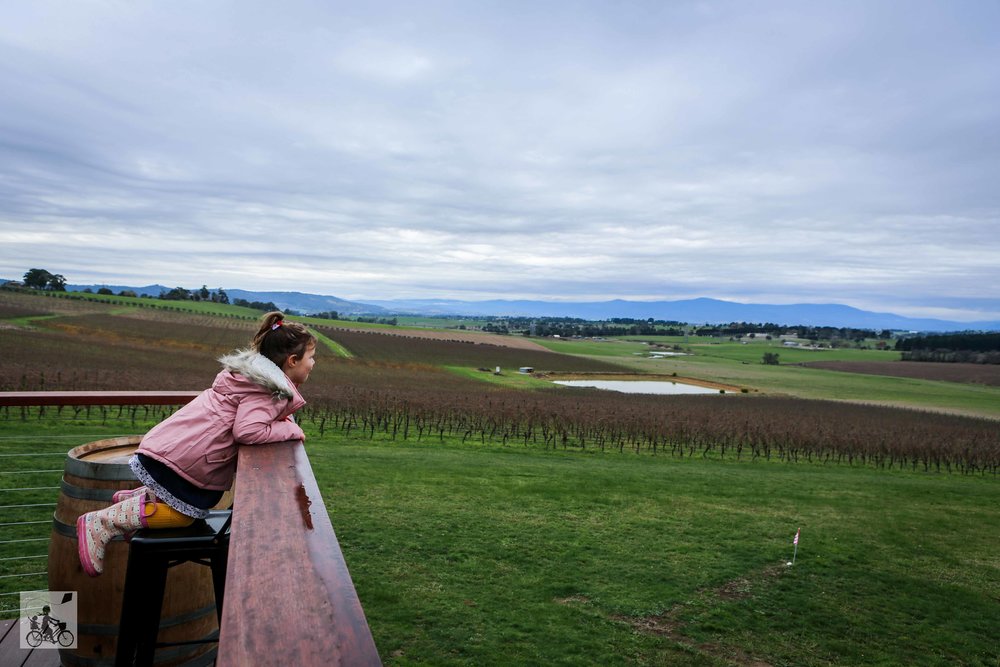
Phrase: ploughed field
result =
(438, 335)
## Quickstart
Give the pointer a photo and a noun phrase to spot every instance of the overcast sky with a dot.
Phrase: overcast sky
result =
(769, 152)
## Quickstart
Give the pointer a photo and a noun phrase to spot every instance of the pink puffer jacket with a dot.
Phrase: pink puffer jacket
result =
(251, 402)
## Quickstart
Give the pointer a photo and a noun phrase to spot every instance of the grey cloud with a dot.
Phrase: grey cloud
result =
(839, 152)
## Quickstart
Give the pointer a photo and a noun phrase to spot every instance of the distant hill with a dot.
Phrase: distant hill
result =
(308, 303)
(692, 311)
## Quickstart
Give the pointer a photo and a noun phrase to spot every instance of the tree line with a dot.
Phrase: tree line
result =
(965, 347)
(216, 296)
(204, 294)
(567, 327)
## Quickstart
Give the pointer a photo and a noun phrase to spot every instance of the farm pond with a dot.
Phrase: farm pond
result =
(640, 386)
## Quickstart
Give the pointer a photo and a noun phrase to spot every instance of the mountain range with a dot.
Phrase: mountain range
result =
(691, 311)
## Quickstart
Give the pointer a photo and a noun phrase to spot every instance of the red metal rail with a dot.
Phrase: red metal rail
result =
(32, 398)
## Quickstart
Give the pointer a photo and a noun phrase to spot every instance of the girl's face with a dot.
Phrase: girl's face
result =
(298, 368)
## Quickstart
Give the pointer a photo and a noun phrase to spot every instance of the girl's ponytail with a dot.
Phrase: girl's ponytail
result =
(278, 339)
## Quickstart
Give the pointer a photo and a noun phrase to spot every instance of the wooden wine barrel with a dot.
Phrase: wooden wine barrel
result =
(92, 473)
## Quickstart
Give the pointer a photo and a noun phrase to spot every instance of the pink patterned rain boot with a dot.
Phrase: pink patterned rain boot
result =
(95, 529)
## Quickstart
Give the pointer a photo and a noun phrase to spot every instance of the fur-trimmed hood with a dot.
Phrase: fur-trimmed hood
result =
(260, 370)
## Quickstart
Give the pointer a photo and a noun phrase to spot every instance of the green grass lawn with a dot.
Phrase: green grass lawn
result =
(499, 556)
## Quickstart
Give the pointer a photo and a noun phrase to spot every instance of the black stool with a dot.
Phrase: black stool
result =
(151, 554)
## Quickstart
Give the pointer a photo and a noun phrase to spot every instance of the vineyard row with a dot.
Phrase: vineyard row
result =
(783, 429)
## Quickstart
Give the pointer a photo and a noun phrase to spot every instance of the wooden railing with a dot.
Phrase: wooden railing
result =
(289, 597)
(288, 593)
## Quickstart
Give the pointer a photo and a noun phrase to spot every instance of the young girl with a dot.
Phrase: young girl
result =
(188, 461)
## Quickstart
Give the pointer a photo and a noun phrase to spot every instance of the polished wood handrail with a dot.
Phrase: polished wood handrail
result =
(289, 597)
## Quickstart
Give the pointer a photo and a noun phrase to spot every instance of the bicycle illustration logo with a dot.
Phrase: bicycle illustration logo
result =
(48, 619)
(48, 629)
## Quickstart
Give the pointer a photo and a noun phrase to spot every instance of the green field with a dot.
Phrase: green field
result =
(492, 556)
(439, 322)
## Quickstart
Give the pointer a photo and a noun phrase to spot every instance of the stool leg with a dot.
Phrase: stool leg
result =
(219, 561)
(156, 585)
(145, 582)
(129, 622)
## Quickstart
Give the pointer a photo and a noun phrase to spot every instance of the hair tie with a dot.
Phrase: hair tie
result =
(276, 325)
